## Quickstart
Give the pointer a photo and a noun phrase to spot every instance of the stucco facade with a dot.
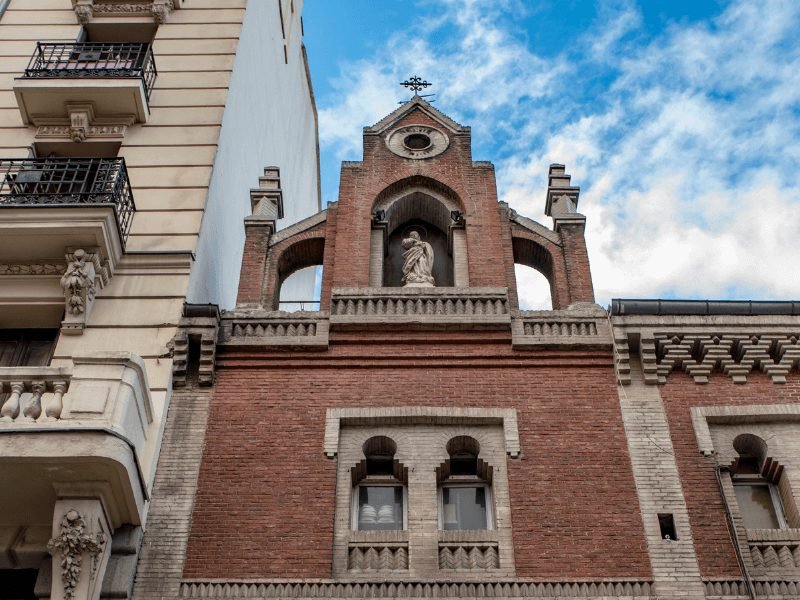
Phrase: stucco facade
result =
(131, 134)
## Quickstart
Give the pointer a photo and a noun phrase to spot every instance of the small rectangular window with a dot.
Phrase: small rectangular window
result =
(464, 507)
(380, 507)
(666, 523)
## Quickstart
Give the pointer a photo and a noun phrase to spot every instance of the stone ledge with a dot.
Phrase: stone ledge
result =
(616, 589)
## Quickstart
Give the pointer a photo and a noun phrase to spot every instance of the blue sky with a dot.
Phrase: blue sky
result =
(679, 120)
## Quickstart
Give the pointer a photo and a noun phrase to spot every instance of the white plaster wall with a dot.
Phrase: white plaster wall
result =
(269, 119)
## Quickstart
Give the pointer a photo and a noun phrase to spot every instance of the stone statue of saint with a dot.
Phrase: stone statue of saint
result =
(418, 262)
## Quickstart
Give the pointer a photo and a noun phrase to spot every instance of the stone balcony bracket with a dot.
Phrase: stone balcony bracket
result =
(157, 10)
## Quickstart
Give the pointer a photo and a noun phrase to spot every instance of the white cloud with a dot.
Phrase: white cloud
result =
(685, 144)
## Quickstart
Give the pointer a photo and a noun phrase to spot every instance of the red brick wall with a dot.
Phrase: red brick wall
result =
(706, 514)
(265, 503)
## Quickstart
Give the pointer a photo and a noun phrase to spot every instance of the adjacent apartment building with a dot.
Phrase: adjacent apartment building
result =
(420, 436)
(130, 135)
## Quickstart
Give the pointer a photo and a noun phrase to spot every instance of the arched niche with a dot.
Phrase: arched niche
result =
(535, 256)
(425, 203)
(393, 260)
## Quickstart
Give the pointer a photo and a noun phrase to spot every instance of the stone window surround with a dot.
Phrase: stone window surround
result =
(422, 542)
(755, 544)
(410, 415)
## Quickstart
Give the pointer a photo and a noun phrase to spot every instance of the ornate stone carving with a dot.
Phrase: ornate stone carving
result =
(31, 269)
(418, 263)
(73, 542)
(84, 13)
(78, 282)
(83, 278)
(161, 10)
(87, 9)
(82, 125)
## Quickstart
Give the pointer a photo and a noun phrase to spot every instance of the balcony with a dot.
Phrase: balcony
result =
(114, 78)
(91, 425)
(50, 204)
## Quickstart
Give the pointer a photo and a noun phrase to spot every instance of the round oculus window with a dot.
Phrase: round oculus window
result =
(417, 141)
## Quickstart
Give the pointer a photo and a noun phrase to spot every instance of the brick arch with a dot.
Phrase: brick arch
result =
(535, 251)
(303, 250)
(391, 192)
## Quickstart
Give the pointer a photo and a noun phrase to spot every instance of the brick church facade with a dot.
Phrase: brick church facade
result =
(417, 440)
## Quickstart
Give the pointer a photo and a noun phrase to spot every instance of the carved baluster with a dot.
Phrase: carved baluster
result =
(10, 409)
(52, 412)
(33, 408)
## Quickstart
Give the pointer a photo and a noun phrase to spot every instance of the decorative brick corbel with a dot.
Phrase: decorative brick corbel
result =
(84, 277)
(200, 321)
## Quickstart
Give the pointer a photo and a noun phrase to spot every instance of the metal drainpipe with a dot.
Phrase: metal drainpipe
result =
(732, 532)
(3, 6)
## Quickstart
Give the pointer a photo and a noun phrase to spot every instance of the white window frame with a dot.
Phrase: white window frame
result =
(472, 483)
(377, 482)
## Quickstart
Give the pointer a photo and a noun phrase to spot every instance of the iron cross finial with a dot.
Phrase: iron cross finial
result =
(415, 84)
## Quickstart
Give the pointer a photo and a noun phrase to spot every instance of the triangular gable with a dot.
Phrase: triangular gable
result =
(299, 227)
(416, 103)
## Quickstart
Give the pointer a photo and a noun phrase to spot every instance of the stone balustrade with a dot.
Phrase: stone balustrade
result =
(33, 394)
(421, 307)
(581, 326)
(276, 328)
(97, 418)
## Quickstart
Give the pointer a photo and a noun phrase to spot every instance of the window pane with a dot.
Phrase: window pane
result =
(380, 507)
(7, 351)
(38, 354)
(755, 504)
(464, 508)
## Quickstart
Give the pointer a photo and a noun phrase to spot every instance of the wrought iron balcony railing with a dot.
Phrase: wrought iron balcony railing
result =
(69, 182)
(94, 59)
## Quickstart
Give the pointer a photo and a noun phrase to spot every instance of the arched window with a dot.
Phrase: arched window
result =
(754, 482)
(465, 495)
(379, 486)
